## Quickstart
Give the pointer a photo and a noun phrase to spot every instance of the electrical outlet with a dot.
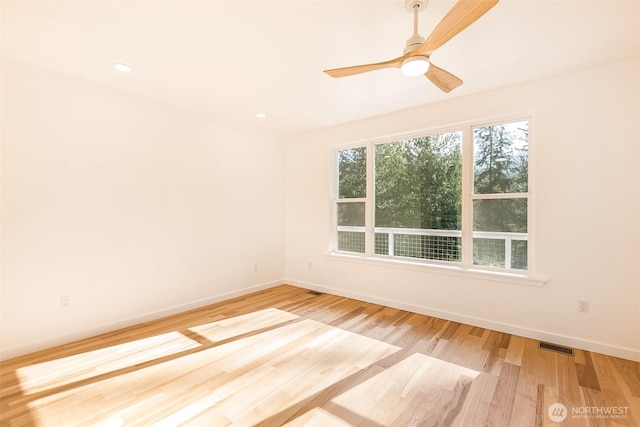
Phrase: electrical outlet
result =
(310, 265)
(255, 267)
(583, 306)
(65, 301)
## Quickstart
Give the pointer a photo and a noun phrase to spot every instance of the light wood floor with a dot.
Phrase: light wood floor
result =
(285, 356)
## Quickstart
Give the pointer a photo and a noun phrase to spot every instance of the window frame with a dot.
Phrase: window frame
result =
(468, 196)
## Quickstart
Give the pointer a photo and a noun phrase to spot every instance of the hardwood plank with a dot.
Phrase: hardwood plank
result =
(501, 409)
(475, 409)
(525, 399)
(587, 376)
(515, 350)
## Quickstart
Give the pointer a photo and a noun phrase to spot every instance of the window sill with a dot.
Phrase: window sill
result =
(451, 270)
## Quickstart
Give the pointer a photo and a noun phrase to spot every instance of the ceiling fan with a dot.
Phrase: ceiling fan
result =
(416, 56)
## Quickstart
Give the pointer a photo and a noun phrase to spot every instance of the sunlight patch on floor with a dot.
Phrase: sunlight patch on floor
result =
(247, 378)
(82, 366)
(231, 327)
(59, 372)
(434, 382)
(318, 417)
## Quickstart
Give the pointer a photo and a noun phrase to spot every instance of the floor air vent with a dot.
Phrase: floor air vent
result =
(556, 348)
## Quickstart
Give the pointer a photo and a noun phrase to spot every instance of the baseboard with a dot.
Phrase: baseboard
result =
(20, 350)
(603, 348)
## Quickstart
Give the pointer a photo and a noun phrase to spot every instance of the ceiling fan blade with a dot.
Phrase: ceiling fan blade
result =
(443, 79)
(461, 15)
(357, 69)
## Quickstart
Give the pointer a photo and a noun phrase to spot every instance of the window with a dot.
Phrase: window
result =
(500, 195)
(456, 197)
(352, 191)
(418, 189)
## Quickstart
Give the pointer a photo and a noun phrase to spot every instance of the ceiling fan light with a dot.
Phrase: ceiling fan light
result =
(124, 68)
(415, 66)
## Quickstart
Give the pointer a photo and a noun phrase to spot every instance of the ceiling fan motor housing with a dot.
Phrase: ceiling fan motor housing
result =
(413, 43)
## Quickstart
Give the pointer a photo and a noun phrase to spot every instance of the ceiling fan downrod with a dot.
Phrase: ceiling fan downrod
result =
(414, 7)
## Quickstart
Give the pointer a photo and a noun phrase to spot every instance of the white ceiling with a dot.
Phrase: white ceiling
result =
(232, 59)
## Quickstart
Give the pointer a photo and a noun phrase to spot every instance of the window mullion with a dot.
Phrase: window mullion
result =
(353, 200)
(369, 220)
(467, 197)
(500, 196)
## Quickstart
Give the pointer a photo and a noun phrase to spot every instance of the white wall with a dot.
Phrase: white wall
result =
(131, 208)
(587, 195)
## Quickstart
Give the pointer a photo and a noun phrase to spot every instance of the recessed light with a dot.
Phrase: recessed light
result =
(123, 67)
(261, 115)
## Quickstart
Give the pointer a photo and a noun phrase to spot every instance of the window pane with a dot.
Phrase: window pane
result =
(494, 252)
(418, 183)
(501, 215)
(418, 245)
(441, 248)
(381, 244)
(418, 186)
(519, 254)
(500, 232)
(351, 241)
(501, 158)
(489, 252)
(352, 173)
(351, 214)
